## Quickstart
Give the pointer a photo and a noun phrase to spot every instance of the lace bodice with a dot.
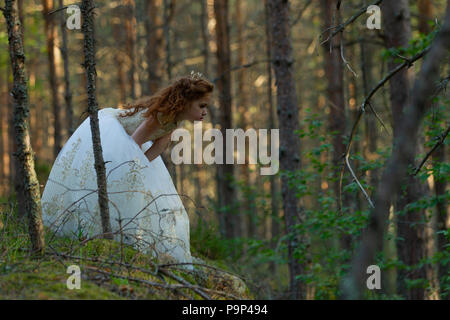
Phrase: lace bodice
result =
(131, 123)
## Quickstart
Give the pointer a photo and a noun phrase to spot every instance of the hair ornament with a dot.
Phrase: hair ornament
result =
(195, 75)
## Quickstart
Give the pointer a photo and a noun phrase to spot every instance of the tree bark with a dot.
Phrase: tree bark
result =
(24, 154)
(65, 57)
(130, 27)
(404, 150)
(425, 15)
(274, 184)
(287, 110)
(334, 73)
(248, 211)
(443, 214)
(119, 55)
(410, 224)
(87, 9)
(226, 188)
(154, 49)
(3, 139)
(50, 32)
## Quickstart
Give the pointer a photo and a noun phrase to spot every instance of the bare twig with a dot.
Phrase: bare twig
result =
(439, 143)
(300, 13)
(347, 64)
(235, 68)
(199, 291)
(163, 286)
(57, 10)
(357, 181)
(362, 109)
(342, 26)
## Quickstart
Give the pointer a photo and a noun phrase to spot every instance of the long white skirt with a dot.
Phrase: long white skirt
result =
(144, 206)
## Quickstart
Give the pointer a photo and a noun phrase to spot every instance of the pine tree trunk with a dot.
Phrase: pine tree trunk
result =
(65, 57)
(425, 15)
(130, 27)
(224, 90)
(274, 185)
(3, 137)
(410, 225)
(50, 32)
(287, 110)
(154, 48)
(443, 214)
(370, 132)
(246, 210)
(119, 56)
(24, 154)
(334, 74)
(87, 10)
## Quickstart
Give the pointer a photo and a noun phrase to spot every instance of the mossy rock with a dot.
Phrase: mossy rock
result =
(218, 279)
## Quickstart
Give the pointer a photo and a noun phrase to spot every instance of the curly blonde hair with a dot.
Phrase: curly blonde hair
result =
(171, 100)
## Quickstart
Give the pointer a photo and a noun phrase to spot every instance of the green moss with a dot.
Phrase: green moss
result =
(103, 264)
(46, 280)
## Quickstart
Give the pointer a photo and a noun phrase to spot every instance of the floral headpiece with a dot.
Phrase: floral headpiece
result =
(195, 75)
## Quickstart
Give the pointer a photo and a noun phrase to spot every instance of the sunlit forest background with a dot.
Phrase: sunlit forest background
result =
(143, 45)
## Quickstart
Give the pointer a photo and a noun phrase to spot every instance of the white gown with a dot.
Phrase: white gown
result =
(141, 193)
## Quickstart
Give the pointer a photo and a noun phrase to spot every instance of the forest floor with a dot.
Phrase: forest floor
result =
(108, 270)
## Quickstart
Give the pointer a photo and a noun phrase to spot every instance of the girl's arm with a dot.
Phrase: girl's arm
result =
(144, 130)
(158, 146)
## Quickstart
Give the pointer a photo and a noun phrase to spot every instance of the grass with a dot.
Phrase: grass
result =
(108, 270)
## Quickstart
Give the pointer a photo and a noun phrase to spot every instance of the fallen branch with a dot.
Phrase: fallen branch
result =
(196, 289)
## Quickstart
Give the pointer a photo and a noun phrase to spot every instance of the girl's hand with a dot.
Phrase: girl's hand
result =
(158, 146)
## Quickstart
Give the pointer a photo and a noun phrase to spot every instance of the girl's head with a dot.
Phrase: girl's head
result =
(186, 99)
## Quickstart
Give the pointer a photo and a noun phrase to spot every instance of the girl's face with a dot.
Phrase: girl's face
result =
(198, 109)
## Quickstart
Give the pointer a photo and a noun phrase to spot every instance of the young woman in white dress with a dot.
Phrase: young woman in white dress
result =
(145, 208)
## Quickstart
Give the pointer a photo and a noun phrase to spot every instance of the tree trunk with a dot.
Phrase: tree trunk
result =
(425, 15)
(119, 57)
(334, 74)
(443, 214)
(3, 139)
(87, 9)
(397, 167)
(247, 211)
(205, 54)
(65, 57)
(224, 89)
(154, 49)
(410, 225)
(370, 132)
(274, 185)
(50, 32)
(24, 154)
(130, 27)
(205, 38)
(287, 110)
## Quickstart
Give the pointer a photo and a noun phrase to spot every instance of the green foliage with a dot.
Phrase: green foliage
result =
(416, 45)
